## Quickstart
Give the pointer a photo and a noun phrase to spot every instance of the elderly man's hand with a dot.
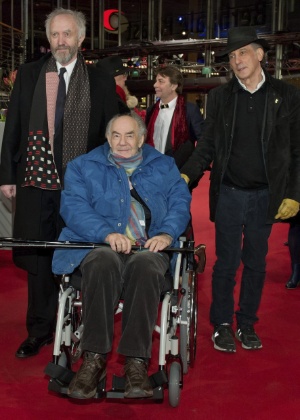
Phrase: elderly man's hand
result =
(288, 208)
(119, 243)
(8, 191)
(159, 242)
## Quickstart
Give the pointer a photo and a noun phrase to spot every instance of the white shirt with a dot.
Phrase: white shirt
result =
(67, 75)
(162, 125)
(258, 86)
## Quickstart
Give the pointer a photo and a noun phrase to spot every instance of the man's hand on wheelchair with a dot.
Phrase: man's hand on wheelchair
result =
(159, 242)
(119, 243)
(288, 208)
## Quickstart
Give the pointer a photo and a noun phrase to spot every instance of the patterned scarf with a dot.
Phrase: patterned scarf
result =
(136, 227)
(41, 171)
(179, 126)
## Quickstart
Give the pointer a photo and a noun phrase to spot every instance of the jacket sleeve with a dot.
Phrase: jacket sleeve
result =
(77, 210)
(178, 199)
(203, 154)
(11, 137)
(195, 121)
(293, 187)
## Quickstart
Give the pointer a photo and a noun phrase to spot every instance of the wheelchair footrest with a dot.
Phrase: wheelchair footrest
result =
(118, 387)
(61, 373)
(60, 378)
(158, 379)
(55, 386)
(118, 383)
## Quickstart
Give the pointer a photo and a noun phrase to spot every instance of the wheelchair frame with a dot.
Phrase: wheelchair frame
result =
(177, 328)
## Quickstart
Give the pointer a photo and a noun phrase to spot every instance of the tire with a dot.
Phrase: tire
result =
(75, 350)
(183, 338)
(193, 314)
(174, 384)
(184, 348)
(188, 328)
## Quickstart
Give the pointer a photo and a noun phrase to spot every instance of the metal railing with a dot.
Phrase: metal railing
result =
(12, 43)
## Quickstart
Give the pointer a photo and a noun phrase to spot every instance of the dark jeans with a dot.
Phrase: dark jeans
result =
(241, 235)
(294, 239)
(42, 298)
(106, 275)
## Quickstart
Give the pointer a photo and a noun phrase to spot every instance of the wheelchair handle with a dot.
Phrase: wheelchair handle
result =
(14, 243)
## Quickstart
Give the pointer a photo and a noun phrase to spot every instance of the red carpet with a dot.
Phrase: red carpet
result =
(261, 385)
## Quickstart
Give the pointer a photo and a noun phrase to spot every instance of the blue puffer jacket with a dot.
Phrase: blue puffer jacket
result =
(96, 201)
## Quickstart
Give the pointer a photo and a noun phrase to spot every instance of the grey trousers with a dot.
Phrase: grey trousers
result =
(140, 278)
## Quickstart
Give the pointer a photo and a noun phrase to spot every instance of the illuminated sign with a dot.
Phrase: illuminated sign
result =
(111, 21)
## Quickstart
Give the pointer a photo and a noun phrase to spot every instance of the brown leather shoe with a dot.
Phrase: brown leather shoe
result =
(91, 372)
(137, 384)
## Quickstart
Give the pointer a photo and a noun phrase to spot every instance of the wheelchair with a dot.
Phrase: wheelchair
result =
(177, 330)
(177, 327)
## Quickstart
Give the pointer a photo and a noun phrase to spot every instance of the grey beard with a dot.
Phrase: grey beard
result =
(64, 58)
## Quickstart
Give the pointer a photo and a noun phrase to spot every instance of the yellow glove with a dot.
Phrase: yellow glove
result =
(185, 177)
(288, 208)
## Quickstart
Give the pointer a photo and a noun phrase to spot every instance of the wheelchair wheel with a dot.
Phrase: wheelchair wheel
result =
(174, 384)
(77, 327)
(71, 348)
(193, 313)
(188, 327)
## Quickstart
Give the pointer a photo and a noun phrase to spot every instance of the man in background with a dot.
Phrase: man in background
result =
(113, 66)
(174, 125)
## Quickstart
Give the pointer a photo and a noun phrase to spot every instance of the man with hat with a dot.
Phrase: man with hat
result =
(113, 65)
(251, 135)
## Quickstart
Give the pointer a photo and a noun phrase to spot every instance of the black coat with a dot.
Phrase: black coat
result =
(280, 145)
(13, 155)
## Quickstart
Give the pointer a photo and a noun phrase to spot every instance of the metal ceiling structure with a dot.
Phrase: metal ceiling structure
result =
(159, 31)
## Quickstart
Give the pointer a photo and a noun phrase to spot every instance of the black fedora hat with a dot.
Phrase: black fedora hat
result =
(112, 65)
(238, 37)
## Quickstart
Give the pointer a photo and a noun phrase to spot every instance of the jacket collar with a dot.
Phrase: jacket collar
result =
(100, 153)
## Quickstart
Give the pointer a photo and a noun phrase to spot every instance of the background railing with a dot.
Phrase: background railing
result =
(11, 48)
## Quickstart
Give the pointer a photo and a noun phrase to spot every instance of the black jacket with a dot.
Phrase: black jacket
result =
(280, 142)
(29, 204)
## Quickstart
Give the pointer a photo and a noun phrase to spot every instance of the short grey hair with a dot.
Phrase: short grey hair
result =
(255, 46)
(142, 130)
(77, 16)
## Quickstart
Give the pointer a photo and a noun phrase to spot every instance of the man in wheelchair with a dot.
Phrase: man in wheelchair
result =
(123, 193)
